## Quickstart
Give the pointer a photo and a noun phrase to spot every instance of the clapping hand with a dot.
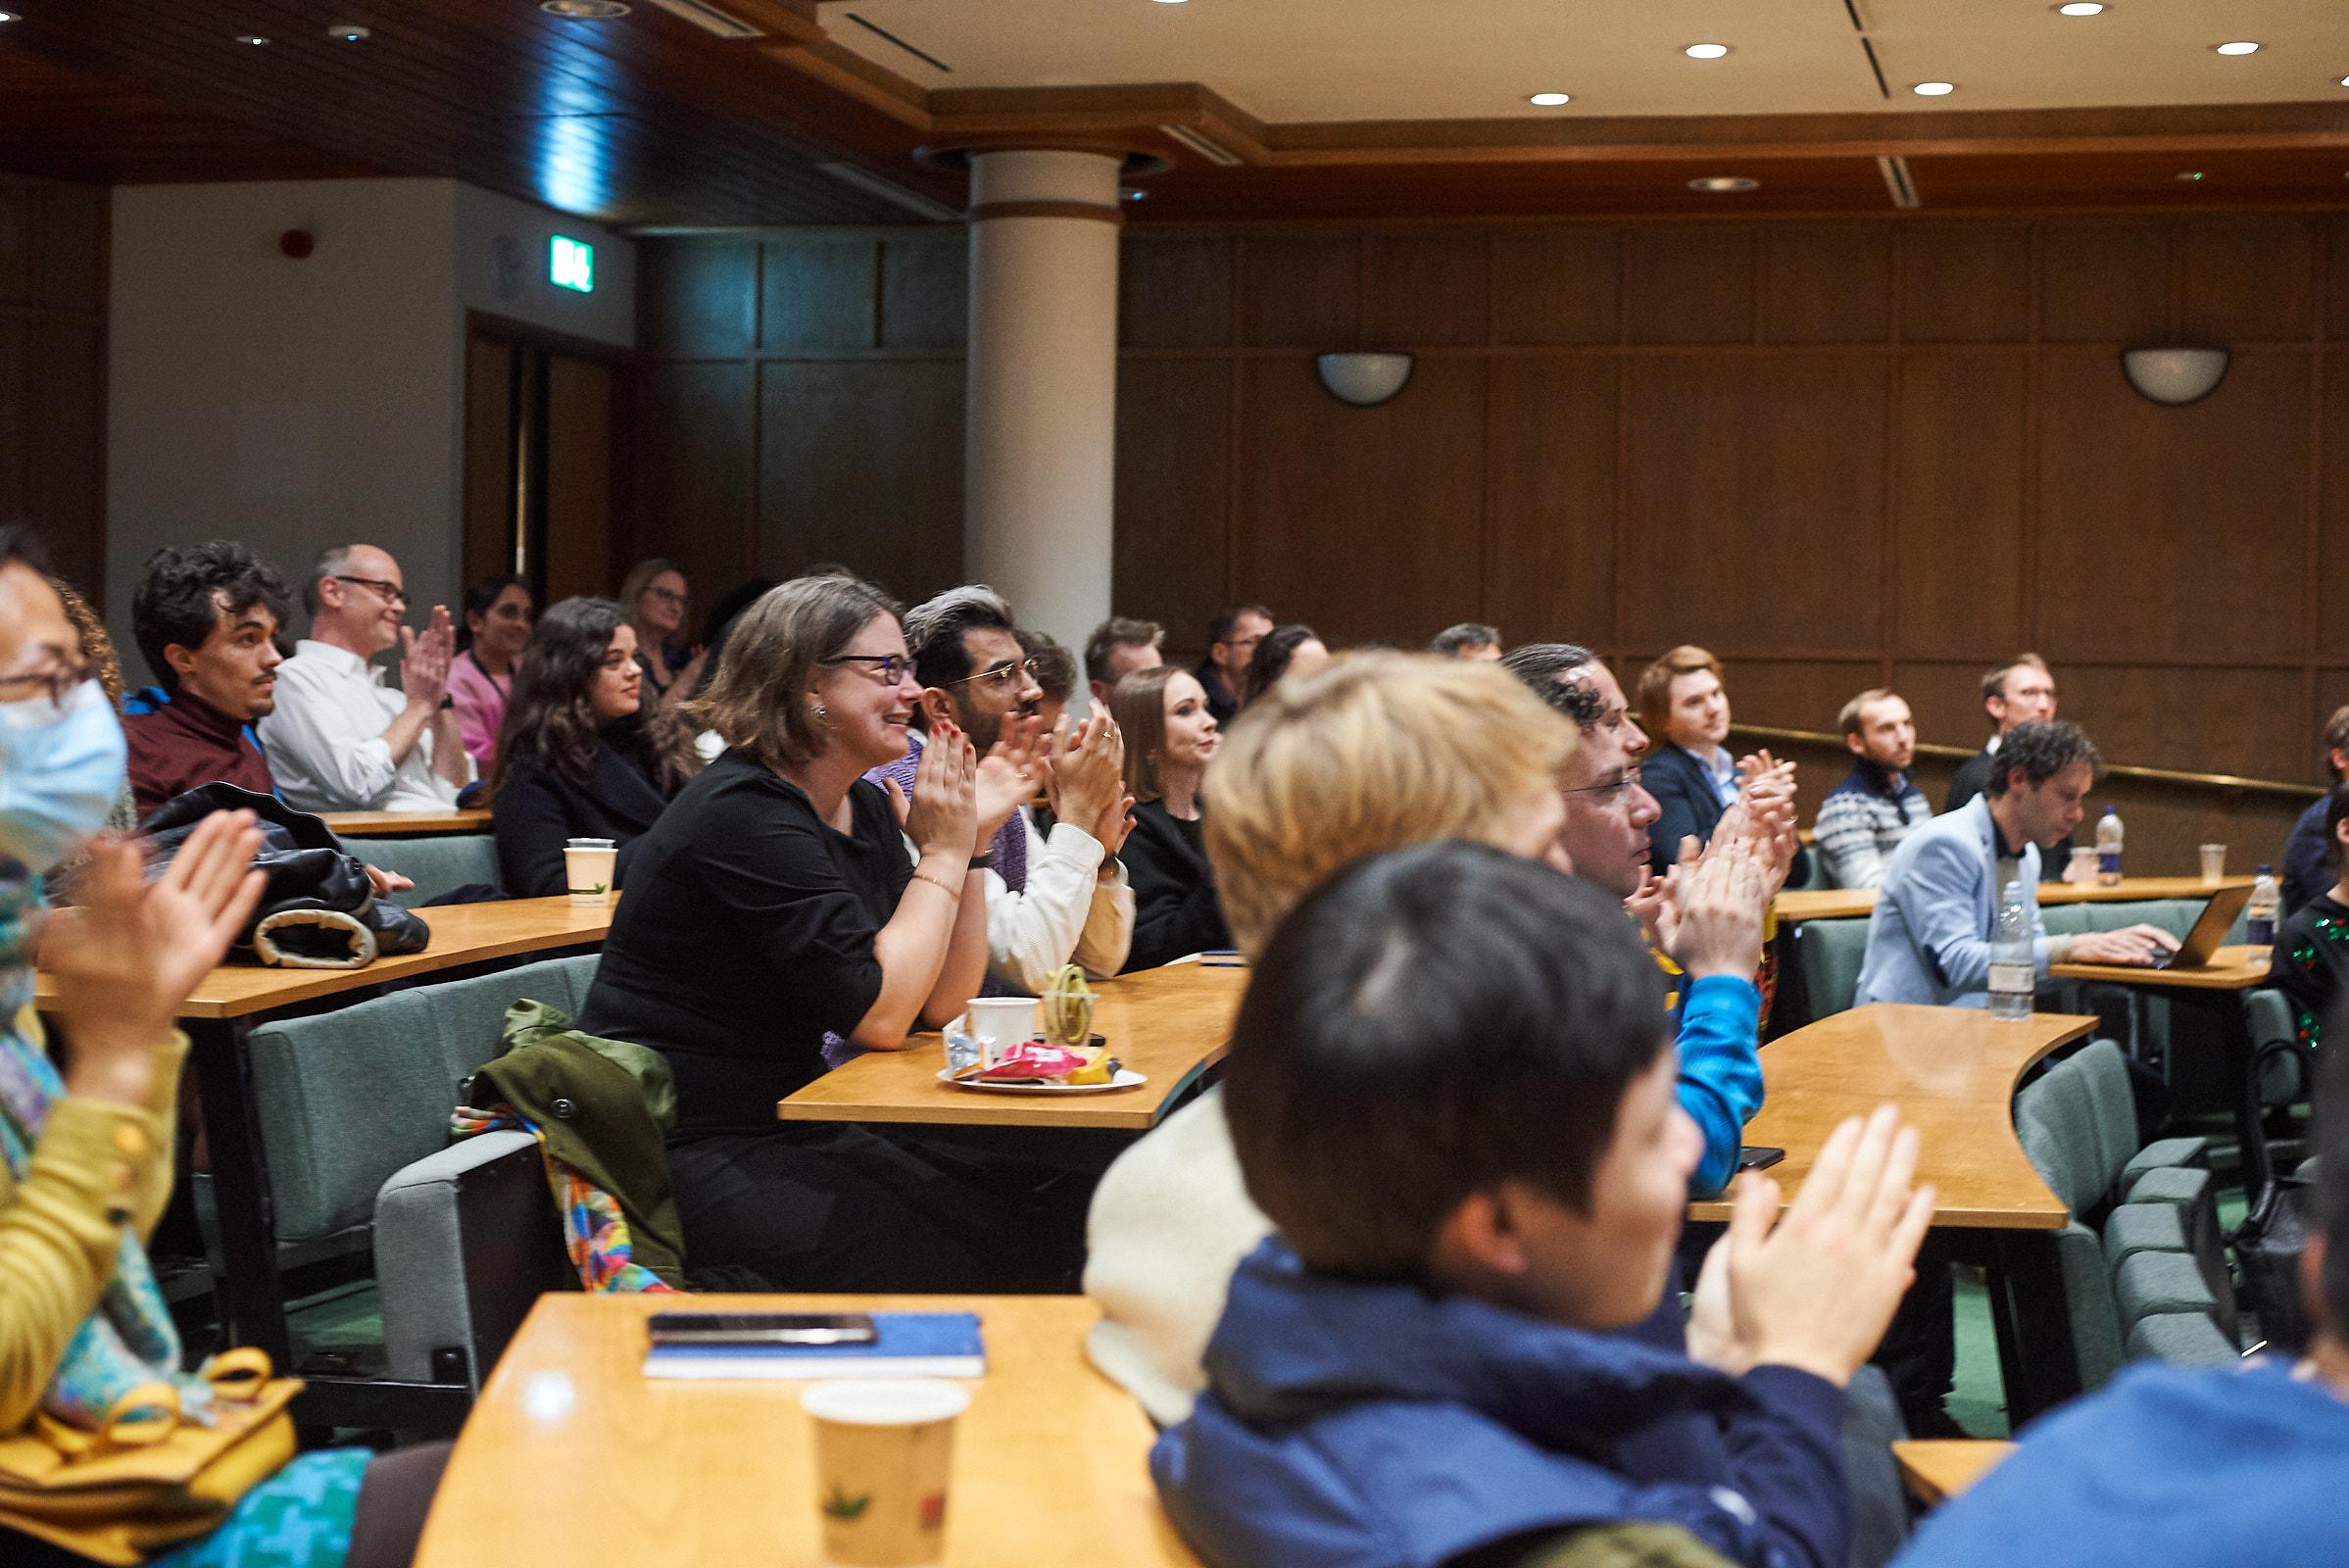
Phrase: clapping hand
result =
(1010, 773)
(424, 660)
(1718, 902)
(941, 819)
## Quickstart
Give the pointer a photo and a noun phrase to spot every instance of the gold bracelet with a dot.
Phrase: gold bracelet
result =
(937, 882)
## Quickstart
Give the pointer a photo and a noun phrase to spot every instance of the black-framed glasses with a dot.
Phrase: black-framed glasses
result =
(1003, 674)
(1609, 793)
(54, 685)
(887, 669)
(391, 593)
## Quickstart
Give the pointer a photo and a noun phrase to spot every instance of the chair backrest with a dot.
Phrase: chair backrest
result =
(2056, 1124)
(348, 1096)
(2112, 1104)
(1830, 952)
(436, 864)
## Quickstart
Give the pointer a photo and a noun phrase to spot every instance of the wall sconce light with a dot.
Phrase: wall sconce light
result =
(1364, 380)
(2175, 376)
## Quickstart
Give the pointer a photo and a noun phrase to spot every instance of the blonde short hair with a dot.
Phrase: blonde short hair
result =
(1376, 751)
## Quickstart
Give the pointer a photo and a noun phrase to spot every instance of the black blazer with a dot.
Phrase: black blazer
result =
(537, 809)
(1690, 803)
(1174, 890)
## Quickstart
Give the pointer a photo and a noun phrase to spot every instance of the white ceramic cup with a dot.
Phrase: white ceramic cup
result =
(999, 1023)
(588, 865)
(883, 1450)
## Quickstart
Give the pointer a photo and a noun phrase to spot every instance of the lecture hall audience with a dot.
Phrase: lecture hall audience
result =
(490, 638)
(581, 755)
(1170, 737)
(207, 619)
(340, 740)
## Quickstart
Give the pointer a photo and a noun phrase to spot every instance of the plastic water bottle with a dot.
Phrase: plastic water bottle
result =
(2012, 973)
(2108, 850)
(2259, 915)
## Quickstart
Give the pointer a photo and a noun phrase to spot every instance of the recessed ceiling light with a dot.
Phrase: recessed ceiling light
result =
(2241, 47)
(1705, 51)
(1725, 182)
(253, 38)
(2192, 176)
(349, 32)
(8, 15)
(1933, 89)
(2345, 81)
(1170, 2)
(1549, 100)
(583, 10)
(2080, 8)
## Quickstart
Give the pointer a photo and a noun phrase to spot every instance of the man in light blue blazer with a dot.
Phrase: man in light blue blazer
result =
(1930, 938)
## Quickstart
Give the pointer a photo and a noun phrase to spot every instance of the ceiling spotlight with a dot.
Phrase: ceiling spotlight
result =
(1170, 2)
(349, 32)
(2345, 81)
(1725, 182)
(253, 38)
(8, 15)
(583, 10)
(2244, 47)
(2080, 8)
(2192, 176)
(1549, 100)
(1705, 51)
(1933, 89)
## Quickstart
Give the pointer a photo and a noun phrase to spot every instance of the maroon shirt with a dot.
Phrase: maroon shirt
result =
(186, 743)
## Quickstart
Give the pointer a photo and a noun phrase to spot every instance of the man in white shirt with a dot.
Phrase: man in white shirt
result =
(342, 741)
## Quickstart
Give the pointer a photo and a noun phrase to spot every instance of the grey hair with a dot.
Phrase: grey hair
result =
(332, 561)
(1467, 634)
(1544, 667)
(935, 629)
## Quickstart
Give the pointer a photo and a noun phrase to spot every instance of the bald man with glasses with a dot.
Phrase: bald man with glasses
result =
(340, 740)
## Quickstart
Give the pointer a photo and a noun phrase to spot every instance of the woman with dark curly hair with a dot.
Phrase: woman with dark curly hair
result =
(581, 755)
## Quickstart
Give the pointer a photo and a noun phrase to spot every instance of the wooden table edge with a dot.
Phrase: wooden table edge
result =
(1936, 1469)
(405, 824)
(968, 1109)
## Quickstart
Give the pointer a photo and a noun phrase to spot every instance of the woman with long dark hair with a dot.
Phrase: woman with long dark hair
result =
(1296, 646)
(582, 754)
(496, 627)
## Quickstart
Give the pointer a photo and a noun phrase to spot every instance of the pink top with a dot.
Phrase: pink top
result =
(481, 699)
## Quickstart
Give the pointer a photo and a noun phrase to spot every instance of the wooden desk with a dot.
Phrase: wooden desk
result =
(572, 1455)
(1847, 903)
(1171, 1024)
(1938, 1469)
(2236, 968)
(229, 1003)
(1953, 1072)
(403, 824)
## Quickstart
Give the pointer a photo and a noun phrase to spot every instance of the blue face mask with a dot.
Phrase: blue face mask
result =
(61, 771)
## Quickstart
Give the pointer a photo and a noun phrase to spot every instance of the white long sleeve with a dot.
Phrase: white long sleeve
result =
(324, 740)
(1067, 913)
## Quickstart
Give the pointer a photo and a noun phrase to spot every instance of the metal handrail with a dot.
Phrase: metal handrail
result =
(2150, 775)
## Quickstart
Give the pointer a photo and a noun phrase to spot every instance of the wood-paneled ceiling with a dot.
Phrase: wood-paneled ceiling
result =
(1267, 109)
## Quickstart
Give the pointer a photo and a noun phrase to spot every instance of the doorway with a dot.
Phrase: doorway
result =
(538, 460)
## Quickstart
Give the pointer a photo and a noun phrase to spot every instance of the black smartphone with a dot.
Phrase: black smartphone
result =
(760, 1328)
(1756, 1156)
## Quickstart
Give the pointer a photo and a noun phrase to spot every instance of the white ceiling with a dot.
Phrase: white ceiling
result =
(1340, 60)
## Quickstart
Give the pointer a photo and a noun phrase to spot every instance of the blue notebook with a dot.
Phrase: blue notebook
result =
(906, 1345)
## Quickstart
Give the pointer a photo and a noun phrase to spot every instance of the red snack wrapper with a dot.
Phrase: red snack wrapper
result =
(1034, 1059)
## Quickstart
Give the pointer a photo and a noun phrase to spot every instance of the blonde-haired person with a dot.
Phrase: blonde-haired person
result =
(1170, 736)
(656, 596)
(1376, 751)
(773, 905)
(1690, 772)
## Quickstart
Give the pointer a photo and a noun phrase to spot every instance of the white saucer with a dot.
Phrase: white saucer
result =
(1125, 1078)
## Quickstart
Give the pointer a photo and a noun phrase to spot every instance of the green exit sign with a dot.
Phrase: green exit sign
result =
(572, 264)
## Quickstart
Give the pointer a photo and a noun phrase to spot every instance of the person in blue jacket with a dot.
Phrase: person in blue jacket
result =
(2174, 1468)
(1450, 1091)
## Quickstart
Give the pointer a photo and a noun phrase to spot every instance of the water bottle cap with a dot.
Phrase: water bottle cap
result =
(2112, 811)
(2265, 870)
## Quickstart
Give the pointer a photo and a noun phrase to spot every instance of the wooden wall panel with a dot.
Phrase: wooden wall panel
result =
(925, 286)
(700, 302)
(1301, 291)
(1945, 696)
(2172, 533)
(1965, 282)
(1688, 285)
(1957, 517)
(1556, 285)
(2250, 279)
(1174, 476)
(2337, 279)
(53, 370)
(2201, 718)
(15, 243)
(1175, 292)
(2104, 282)
(1394, 492)
(817, 295)
(2333, 519)
(15, 429)
(1792, 693)
(695, 433)
(69, 255)
(1756, 502)
(895, 513)
(1549, 563)
(1828, 283)
(1425, 289)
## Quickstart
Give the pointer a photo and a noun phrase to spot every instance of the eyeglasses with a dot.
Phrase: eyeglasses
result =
(391, 593)
(1609, 793)
(671, 597)
(887, 669)
(1004, 674)
(54, 685)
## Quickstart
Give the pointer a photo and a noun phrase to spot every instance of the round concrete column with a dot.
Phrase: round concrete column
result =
(1039, 448)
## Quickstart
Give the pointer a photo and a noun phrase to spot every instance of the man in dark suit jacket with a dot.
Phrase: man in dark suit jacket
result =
(1689, 771)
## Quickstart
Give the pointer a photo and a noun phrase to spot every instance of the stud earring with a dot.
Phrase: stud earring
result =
(820, 713)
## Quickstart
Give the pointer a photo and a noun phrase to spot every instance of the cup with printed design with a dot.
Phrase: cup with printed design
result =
(588, 865)
(883, 1450)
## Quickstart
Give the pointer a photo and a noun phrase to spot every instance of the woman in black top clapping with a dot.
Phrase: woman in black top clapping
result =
(1170, 736)
(774, 906)
(580, 753)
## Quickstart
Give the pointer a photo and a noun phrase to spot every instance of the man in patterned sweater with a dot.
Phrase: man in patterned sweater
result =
(1864, 817)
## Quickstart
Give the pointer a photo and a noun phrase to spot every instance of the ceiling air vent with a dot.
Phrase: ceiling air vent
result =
(710, 19)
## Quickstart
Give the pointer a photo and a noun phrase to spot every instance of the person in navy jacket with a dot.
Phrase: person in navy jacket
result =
(1449, 1090)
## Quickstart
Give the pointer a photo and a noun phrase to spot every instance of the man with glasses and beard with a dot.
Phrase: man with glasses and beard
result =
(342, 741)
(1051, 897)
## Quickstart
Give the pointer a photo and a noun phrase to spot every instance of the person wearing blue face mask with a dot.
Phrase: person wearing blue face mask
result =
(86, 1151)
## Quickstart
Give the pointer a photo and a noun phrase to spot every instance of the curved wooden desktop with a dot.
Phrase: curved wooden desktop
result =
(405, 824)
(1851, 904)
(1951, 1070)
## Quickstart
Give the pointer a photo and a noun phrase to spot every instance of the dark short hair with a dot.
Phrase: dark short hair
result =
(1543, 666)
(2041, 749)
(479, 596)
(180, 599)
(1055, 671)
(1118, 631)
(1424, 1026)
(1270, 661)
(936, 627)
(2331, 1128)
(1467, 634)
(1226, 620)
(2336, 806)
(21, 545)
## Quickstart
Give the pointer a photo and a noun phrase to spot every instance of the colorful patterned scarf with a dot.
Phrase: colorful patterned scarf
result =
(595, 1232)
